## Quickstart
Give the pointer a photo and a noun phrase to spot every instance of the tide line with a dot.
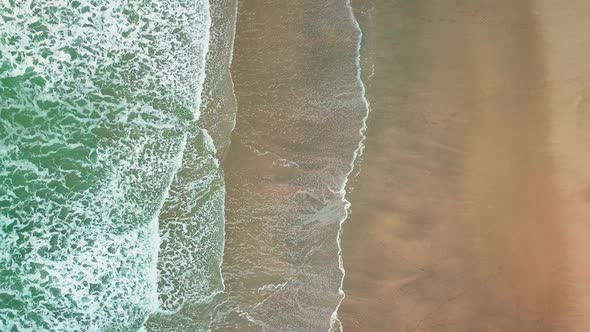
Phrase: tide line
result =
(335, 324)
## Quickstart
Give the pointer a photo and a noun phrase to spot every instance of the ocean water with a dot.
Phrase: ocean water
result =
(111, 194)
(192, 219)
(140, 190)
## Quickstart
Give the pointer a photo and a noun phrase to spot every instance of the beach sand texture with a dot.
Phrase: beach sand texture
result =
(471, 209)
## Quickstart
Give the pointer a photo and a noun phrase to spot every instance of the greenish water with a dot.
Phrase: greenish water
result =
(103, 165)
(114, 116)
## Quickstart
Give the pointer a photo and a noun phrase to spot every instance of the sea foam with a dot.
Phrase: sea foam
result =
(98, 105)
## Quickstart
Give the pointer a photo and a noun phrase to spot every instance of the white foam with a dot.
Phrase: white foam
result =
(335, 323)
(132, 119)
(231, 58)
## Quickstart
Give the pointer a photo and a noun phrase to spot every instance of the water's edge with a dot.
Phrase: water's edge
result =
(335, 324)
(204, 245)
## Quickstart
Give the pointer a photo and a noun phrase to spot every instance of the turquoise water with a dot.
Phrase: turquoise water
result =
(103, 165)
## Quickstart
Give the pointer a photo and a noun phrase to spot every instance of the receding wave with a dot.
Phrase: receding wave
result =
(301, 109)
(192, 219)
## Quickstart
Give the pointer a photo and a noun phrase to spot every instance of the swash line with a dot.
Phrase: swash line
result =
(335, 323)
(235, 106)
(178, 164)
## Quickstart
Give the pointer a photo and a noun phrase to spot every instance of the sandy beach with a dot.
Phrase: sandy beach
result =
(470, 210)
(295, 165)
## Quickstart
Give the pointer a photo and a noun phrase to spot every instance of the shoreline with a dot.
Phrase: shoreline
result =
(298, 120)
(334, 320)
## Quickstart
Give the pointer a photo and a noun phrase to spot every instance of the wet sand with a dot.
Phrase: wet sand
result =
(470, 212)
(300, 109)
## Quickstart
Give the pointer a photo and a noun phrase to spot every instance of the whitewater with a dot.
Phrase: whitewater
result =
(119, 124)
(99, 123)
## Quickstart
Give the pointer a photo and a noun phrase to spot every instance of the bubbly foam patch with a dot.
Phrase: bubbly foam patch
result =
(191, 225)
(192, 233)
(97, 99)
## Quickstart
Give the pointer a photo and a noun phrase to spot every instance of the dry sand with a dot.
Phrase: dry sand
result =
(472, 209)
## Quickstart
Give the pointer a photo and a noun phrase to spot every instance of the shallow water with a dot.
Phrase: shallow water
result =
(192, 220)
(300, 109)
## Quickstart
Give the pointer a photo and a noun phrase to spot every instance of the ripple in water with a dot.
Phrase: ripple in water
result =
(98, 107)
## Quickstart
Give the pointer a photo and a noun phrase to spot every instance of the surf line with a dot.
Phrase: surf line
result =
(335, 324)
(197, 102)
(220, 162)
